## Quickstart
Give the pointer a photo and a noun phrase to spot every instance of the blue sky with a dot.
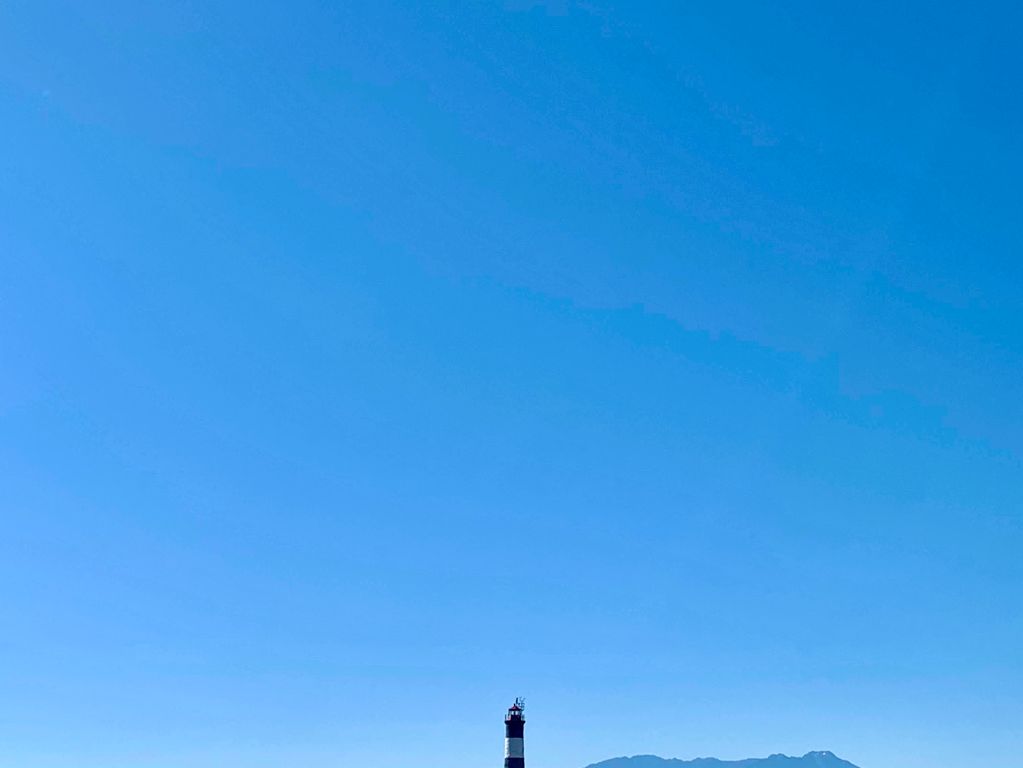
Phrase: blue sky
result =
(365, 365)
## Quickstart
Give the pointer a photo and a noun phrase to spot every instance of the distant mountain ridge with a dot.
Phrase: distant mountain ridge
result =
(809, 760)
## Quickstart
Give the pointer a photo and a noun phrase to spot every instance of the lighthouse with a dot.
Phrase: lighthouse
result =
(514, 721)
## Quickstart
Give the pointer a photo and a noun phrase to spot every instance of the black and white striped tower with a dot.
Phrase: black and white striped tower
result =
(514, 722)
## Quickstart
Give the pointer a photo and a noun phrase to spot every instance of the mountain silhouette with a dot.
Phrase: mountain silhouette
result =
(809, 760)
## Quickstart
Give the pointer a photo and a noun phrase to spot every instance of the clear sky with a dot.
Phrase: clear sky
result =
(365, 365)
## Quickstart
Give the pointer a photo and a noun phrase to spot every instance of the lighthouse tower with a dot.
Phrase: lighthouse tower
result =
(513, 725)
